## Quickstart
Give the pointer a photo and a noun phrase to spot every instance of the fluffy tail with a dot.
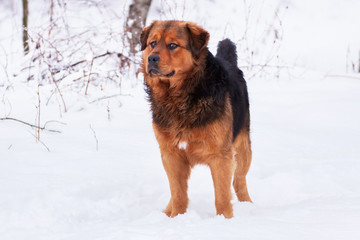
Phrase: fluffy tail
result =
(226, 50)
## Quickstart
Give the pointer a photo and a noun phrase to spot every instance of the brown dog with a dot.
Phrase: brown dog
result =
(200, 111)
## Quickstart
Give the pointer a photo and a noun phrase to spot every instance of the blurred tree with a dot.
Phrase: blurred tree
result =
(135, 22)
(359, 63)
(25, 26)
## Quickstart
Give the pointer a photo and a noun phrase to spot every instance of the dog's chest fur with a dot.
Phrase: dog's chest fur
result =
(198, 144)
(196, 103)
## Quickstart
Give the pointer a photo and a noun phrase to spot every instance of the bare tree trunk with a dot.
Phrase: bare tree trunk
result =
(136, 22)
(25, 26)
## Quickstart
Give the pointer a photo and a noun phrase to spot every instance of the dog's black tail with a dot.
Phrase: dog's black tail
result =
(226, 50)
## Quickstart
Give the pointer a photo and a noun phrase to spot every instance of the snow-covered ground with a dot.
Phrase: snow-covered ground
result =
(103, 177)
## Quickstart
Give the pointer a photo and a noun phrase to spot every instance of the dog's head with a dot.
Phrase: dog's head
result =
(172, 49)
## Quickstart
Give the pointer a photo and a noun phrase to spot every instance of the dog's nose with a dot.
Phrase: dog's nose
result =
(153, 59)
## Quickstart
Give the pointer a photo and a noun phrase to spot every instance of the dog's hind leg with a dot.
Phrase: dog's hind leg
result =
(243, 154)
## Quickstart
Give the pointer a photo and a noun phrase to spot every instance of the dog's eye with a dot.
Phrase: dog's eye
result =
(172, 46)
(152, 44)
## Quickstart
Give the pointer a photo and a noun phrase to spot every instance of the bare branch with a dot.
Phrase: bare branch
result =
(29, 124)
(107, 97)
(47, 148)
(88, 82)
(120, 55)
(96, 140)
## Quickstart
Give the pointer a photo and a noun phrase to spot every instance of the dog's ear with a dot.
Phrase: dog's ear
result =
(198, 38)
(144, 36)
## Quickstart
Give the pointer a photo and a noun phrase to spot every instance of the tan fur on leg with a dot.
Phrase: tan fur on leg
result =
(221, 171)
(242, 146)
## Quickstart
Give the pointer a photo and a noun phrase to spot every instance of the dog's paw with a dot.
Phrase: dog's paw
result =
(227, 211)
(172, 210)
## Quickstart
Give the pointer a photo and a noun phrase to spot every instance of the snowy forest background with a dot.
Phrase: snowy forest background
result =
(78, 159)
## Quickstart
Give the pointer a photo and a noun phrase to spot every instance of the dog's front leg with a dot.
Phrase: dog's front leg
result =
(178, 172)
(221, 172)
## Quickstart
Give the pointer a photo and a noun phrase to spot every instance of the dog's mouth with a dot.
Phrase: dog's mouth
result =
(170, 74)
(153, 72)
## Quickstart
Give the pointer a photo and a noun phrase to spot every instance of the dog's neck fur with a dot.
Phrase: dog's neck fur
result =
(175, 107)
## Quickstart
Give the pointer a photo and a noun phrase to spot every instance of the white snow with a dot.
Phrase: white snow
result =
(182, 145)
(304, 179)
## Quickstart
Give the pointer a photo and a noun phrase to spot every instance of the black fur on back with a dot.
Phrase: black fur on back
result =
(203, 99)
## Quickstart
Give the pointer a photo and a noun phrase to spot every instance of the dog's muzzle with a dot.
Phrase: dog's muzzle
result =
(153, 68)
(153, 61)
